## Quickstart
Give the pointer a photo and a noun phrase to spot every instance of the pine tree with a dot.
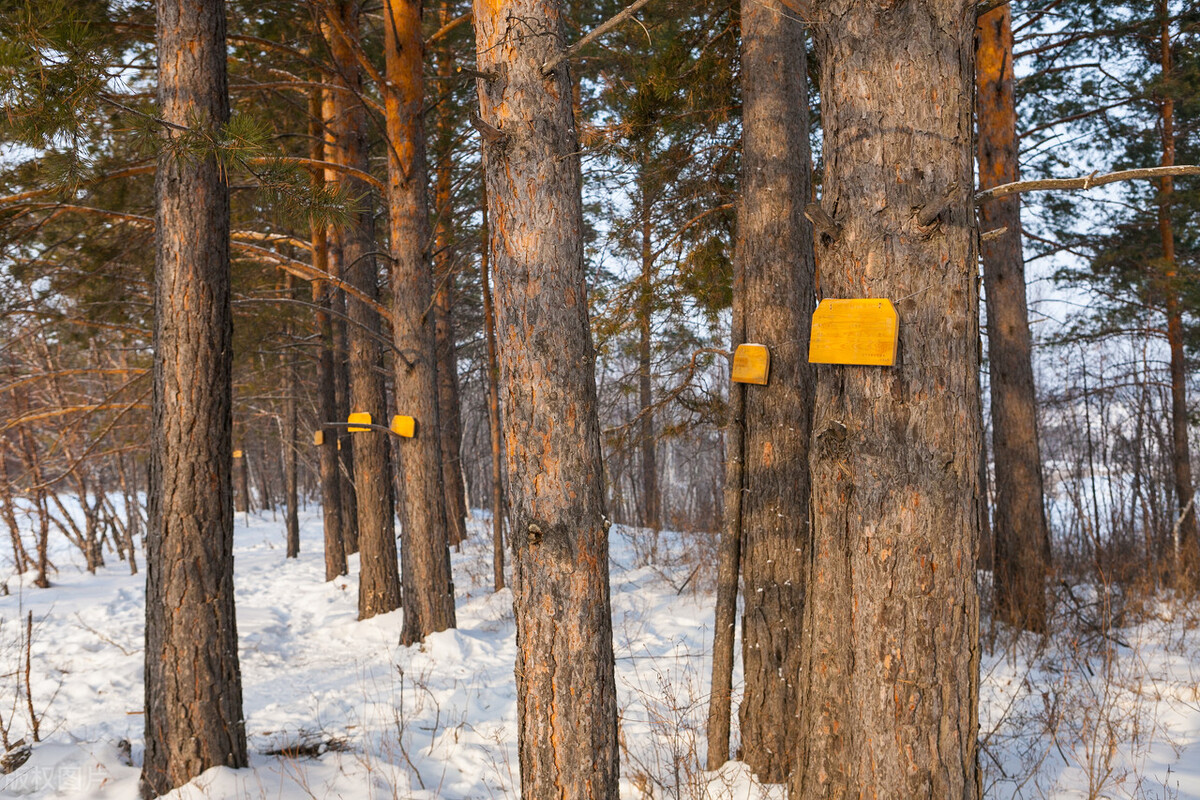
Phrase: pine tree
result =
(889, 684)
(1022, 542)
(193, 682)
(566, 693)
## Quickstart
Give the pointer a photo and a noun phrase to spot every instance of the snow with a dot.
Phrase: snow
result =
(438, 720)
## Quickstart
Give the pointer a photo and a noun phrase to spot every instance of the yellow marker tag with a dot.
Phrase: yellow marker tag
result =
(237, 453)
(339, 444)
(751, 364)
(862, 332)
(404, 426)
(318, 437)
(360, 417)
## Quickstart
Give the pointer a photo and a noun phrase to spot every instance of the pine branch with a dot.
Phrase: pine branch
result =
(1086, 182)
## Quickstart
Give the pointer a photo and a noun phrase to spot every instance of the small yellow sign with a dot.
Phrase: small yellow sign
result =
(404, 426)
(751, 364)
(318, 437)
(361, 417)
(860, 332)
(237, 453)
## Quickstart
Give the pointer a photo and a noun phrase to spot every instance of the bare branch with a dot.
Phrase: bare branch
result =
(1085, 182)
(595, 33)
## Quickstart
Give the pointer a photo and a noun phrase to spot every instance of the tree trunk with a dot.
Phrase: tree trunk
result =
(1022, 542)
(379, 572)
(444, 274)
(344, 446)
(489, 333)
(450, 412)
(243, 485)
(331, 479)
(21, 559)
(645, 311)
(1187, 538)
(775, 251)
(331, 491)
(290, 470)
(566, 694)
(889, 687)
(428, 586)
(730, 547)
(193, 702)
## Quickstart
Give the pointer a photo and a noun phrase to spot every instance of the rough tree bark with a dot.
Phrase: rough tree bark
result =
(889, 686)
(775, 251)
(193, 701)
(565, 685)
(428, 588)
(445, 264)
(1021, 551)
(379, 581)
(1187, 536)
(489, 333)
(331, 489)
(730, 547)
(344, 446)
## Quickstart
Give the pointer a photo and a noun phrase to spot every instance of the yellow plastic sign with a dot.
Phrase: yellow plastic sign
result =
(751, 364)
(859, 332)
(361, 417)
(404, 426)
(237, 453)
(318, 437)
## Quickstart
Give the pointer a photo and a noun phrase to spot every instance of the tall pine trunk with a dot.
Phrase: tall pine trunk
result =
(889, 683)
(428, 589)
(651, 518)
(193, 702)
(291, 421)
(379, 573)
(729, 550)
(775, 253)
(327, 454)
(489, 332)
(566, 694)
(445, 265)
(1021, 553)
(1187, 535)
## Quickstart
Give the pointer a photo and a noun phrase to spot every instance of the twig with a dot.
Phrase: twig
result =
(994, 233)
(594, 34)
(474, 73)
(33, 720)
(1085, 182)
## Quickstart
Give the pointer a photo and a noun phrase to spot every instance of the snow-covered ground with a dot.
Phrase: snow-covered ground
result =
(438, 720)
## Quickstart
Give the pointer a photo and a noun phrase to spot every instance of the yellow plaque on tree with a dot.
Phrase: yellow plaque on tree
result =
(318, 437)
(237, 453)
(404, 426)
(861, 332)
(361, 417)
(752, 364)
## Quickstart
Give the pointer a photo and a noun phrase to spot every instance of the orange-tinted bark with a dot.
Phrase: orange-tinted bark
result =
(566, 695)
(1021, 551)
(428, 588)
